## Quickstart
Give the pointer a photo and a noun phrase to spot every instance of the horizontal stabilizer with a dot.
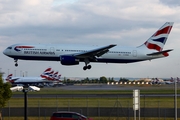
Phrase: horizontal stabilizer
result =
(165, 53)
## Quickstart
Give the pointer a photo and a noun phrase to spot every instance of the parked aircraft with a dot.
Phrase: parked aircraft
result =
(156, 81)
(44, 78)
(73, 54)
(172, 80)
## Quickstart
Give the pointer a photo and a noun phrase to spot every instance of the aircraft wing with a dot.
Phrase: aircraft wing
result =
(94, 53)
(159, 53)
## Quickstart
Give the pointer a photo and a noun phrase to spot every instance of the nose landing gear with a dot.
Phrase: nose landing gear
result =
(15, 60)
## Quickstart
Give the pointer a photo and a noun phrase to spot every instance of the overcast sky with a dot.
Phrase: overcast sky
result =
(92, 22)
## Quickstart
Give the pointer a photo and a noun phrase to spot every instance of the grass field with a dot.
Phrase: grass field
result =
(144, 89)
(92, 102)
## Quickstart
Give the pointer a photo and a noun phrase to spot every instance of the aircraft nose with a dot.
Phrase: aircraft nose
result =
(7, 51)
(4, 52)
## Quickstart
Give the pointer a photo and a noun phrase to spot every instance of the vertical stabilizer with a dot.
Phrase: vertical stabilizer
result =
(46, 73)
(158, 39)
(9, 78)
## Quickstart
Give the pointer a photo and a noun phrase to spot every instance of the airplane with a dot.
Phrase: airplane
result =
(7, 79)
(54, 76)
(74, 54)
(156, 81)
(29, 80)
(172, 80)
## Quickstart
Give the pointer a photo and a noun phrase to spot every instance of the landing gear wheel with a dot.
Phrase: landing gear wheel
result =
(15, 60)
(86, 60)
(89, 66)
(16, 64)
(85, 67)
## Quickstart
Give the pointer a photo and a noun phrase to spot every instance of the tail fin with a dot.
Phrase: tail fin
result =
(9, 78)
(55, 75)
(46, 73)
(172, 80)
(58, 78)
(178, 80)
(158, 39)
(47, 70)
(51, 75)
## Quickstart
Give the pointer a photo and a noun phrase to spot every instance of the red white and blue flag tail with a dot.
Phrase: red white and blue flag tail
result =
(178, 80)
(9, 77)
(55, 76)
(46, 73)
(158, 39)
(51, 75)
(58, 77)
(47, 70)
(172, 79)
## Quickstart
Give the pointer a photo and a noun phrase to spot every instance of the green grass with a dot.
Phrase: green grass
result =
(92, 102)
(144, 89)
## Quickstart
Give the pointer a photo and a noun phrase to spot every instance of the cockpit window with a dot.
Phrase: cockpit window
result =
(9, 48)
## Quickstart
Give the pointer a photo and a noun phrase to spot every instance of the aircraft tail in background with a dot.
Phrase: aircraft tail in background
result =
(49, 74)
(10, 79)
(46, 73)
(53, 76)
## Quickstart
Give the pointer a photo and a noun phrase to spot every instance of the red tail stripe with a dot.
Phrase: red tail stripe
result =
(48, 69)
(165, 30)
(153, 46)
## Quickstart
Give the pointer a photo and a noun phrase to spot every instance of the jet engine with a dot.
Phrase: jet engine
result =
(69, 60)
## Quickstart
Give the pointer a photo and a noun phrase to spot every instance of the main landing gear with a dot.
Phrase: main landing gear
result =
(86, 64)
(15, 60)
(87, 67)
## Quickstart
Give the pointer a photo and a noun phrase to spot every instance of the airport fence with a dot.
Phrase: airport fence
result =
(92, 108)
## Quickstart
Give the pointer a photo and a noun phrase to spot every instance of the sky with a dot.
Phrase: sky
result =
(92, 22)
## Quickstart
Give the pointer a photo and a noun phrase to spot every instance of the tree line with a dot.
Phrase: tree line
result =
(102, 79)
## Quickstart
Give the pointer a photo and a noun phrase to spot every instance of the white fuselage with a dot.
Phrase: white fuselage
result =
(30, 80)
(51, 52)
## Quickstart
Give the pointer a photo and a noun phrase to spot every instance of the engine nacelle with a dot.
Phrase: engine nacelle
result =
(69, 60)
